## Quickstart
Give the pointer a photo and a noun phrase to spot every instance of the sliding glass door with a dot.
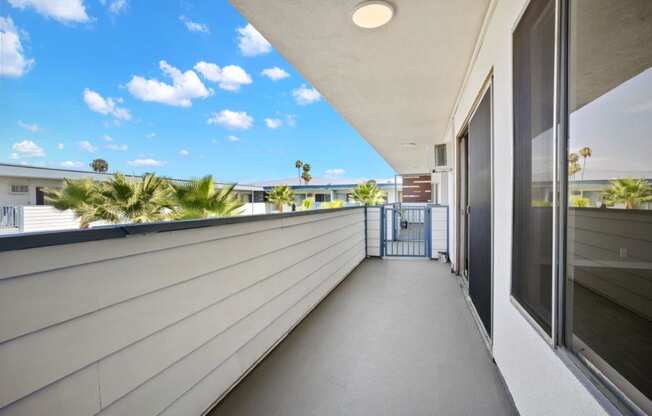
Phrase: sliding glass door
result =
(583, 188)
(609, 193)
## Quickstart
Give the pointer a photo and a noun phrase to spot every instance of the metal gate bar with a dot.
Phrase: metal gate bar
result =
(405, 230)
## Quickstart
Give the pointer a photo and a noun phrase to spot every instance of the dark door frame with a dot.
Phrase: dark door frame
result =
(487, 85)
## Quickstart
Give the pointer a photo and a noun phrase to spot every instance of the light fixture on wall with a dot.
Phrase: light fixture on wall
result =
(372, 14)
(408, 145)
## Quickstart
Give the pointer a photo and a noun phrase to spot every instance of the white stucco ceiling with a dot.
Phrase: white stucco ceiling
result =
(395, 84)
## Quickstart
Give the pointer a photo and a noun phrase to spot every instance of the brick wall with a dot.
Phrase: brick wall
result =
(417, 188)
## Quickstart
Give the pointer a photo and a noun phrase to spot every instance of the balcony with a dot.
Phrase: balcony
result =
(163, 319)
(395, 337)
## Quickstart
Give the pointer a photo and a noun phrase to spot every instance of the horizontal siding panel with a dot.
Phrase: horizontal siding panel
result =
(43, 357)
(52, 297)
(76, 395)
(140, 315)
(202, 395)
(159, 392)
(125, 370)
(30, 261)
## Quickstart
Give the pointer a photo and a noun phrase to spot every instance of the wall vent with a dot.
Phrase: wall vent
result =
(441, 159)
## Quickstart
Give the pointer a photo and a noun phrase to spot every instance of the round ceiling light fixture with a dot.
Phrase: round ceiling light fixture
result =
(372, 14)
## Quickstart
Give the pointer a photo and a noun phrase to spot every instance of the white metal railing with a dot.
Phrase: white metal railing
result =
(8, 217)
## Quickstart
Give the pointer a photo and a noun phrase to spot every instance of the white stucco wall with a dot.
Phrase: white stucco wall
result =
(538, 380)
(7, 198)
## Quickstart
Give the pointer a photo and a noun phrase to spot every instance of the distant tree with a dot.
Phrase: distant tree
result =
(298, 164)
(308, 203)
(80, 196)
(281, 195)
(585, 153)
(119, 200)
(573, 166)
(627, 191)
(123, 200)
(578, 201)
(368, 194)
(199, 198)
(306, 176)
(99, 165)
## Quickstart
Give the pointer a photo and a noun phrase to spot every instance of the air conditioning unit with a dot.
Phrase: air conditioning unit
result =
(441, 158)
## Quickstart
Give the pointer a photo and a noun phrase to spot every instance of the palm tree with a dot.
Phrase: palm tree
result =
(99, 165)
(368, 194)
(585, 153)
(306, 176)
(298, 164)
(281, 195)
(573, 166)
(80, 196)
(628, 191)
(200, 199)
(134, 201)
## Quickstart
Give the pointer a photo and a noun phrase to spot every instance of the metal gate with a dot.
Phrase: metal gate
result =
(405, 230)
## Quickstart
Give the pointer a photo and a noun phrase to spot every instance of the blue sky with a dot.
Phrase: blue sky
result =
(180, 89)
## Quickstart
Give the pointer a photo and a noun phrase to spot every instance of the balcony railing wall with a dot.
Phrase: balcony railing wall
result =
(162, 323)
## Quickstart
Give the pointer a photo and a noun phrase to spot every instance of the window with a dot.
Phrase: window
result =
(608, 320)
(259, 196)
(532, 274)
(19, 189)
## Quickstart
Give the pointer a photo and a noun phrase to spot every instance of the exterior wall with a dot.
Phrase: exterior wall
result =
(539, 381)
(11, 199)
(161, 323)
(616, 237)
(45, 218)
(254, 208)
(439, 230)
(373, 231)
(417, 188)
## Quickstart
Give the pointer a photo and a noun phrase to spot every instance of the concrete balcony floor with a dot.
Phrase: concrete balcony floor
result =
(395, 338)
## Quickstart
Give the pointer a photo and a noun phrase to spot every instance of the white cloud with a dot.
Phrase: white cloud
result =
(273, 123)
(185, 87)
(194, 26)
(29, 127)
(117, 147)
(107, 138)
(229, 78)
(275, 73)
(12, 59)
(150, 163)
(251, 42)
(86, 146)
(331, 173)
(105, 106)
(72, 164)
(291, 120)
(26, 148)
(65, 11)
(150, 135)
(183, 152)
(233, 139)
(304, 95)
(60, 146)
(232, 119)
(118, 6)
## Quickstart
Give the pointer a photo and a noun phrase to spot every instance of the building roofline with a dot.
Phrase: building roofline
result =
(96, 175)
